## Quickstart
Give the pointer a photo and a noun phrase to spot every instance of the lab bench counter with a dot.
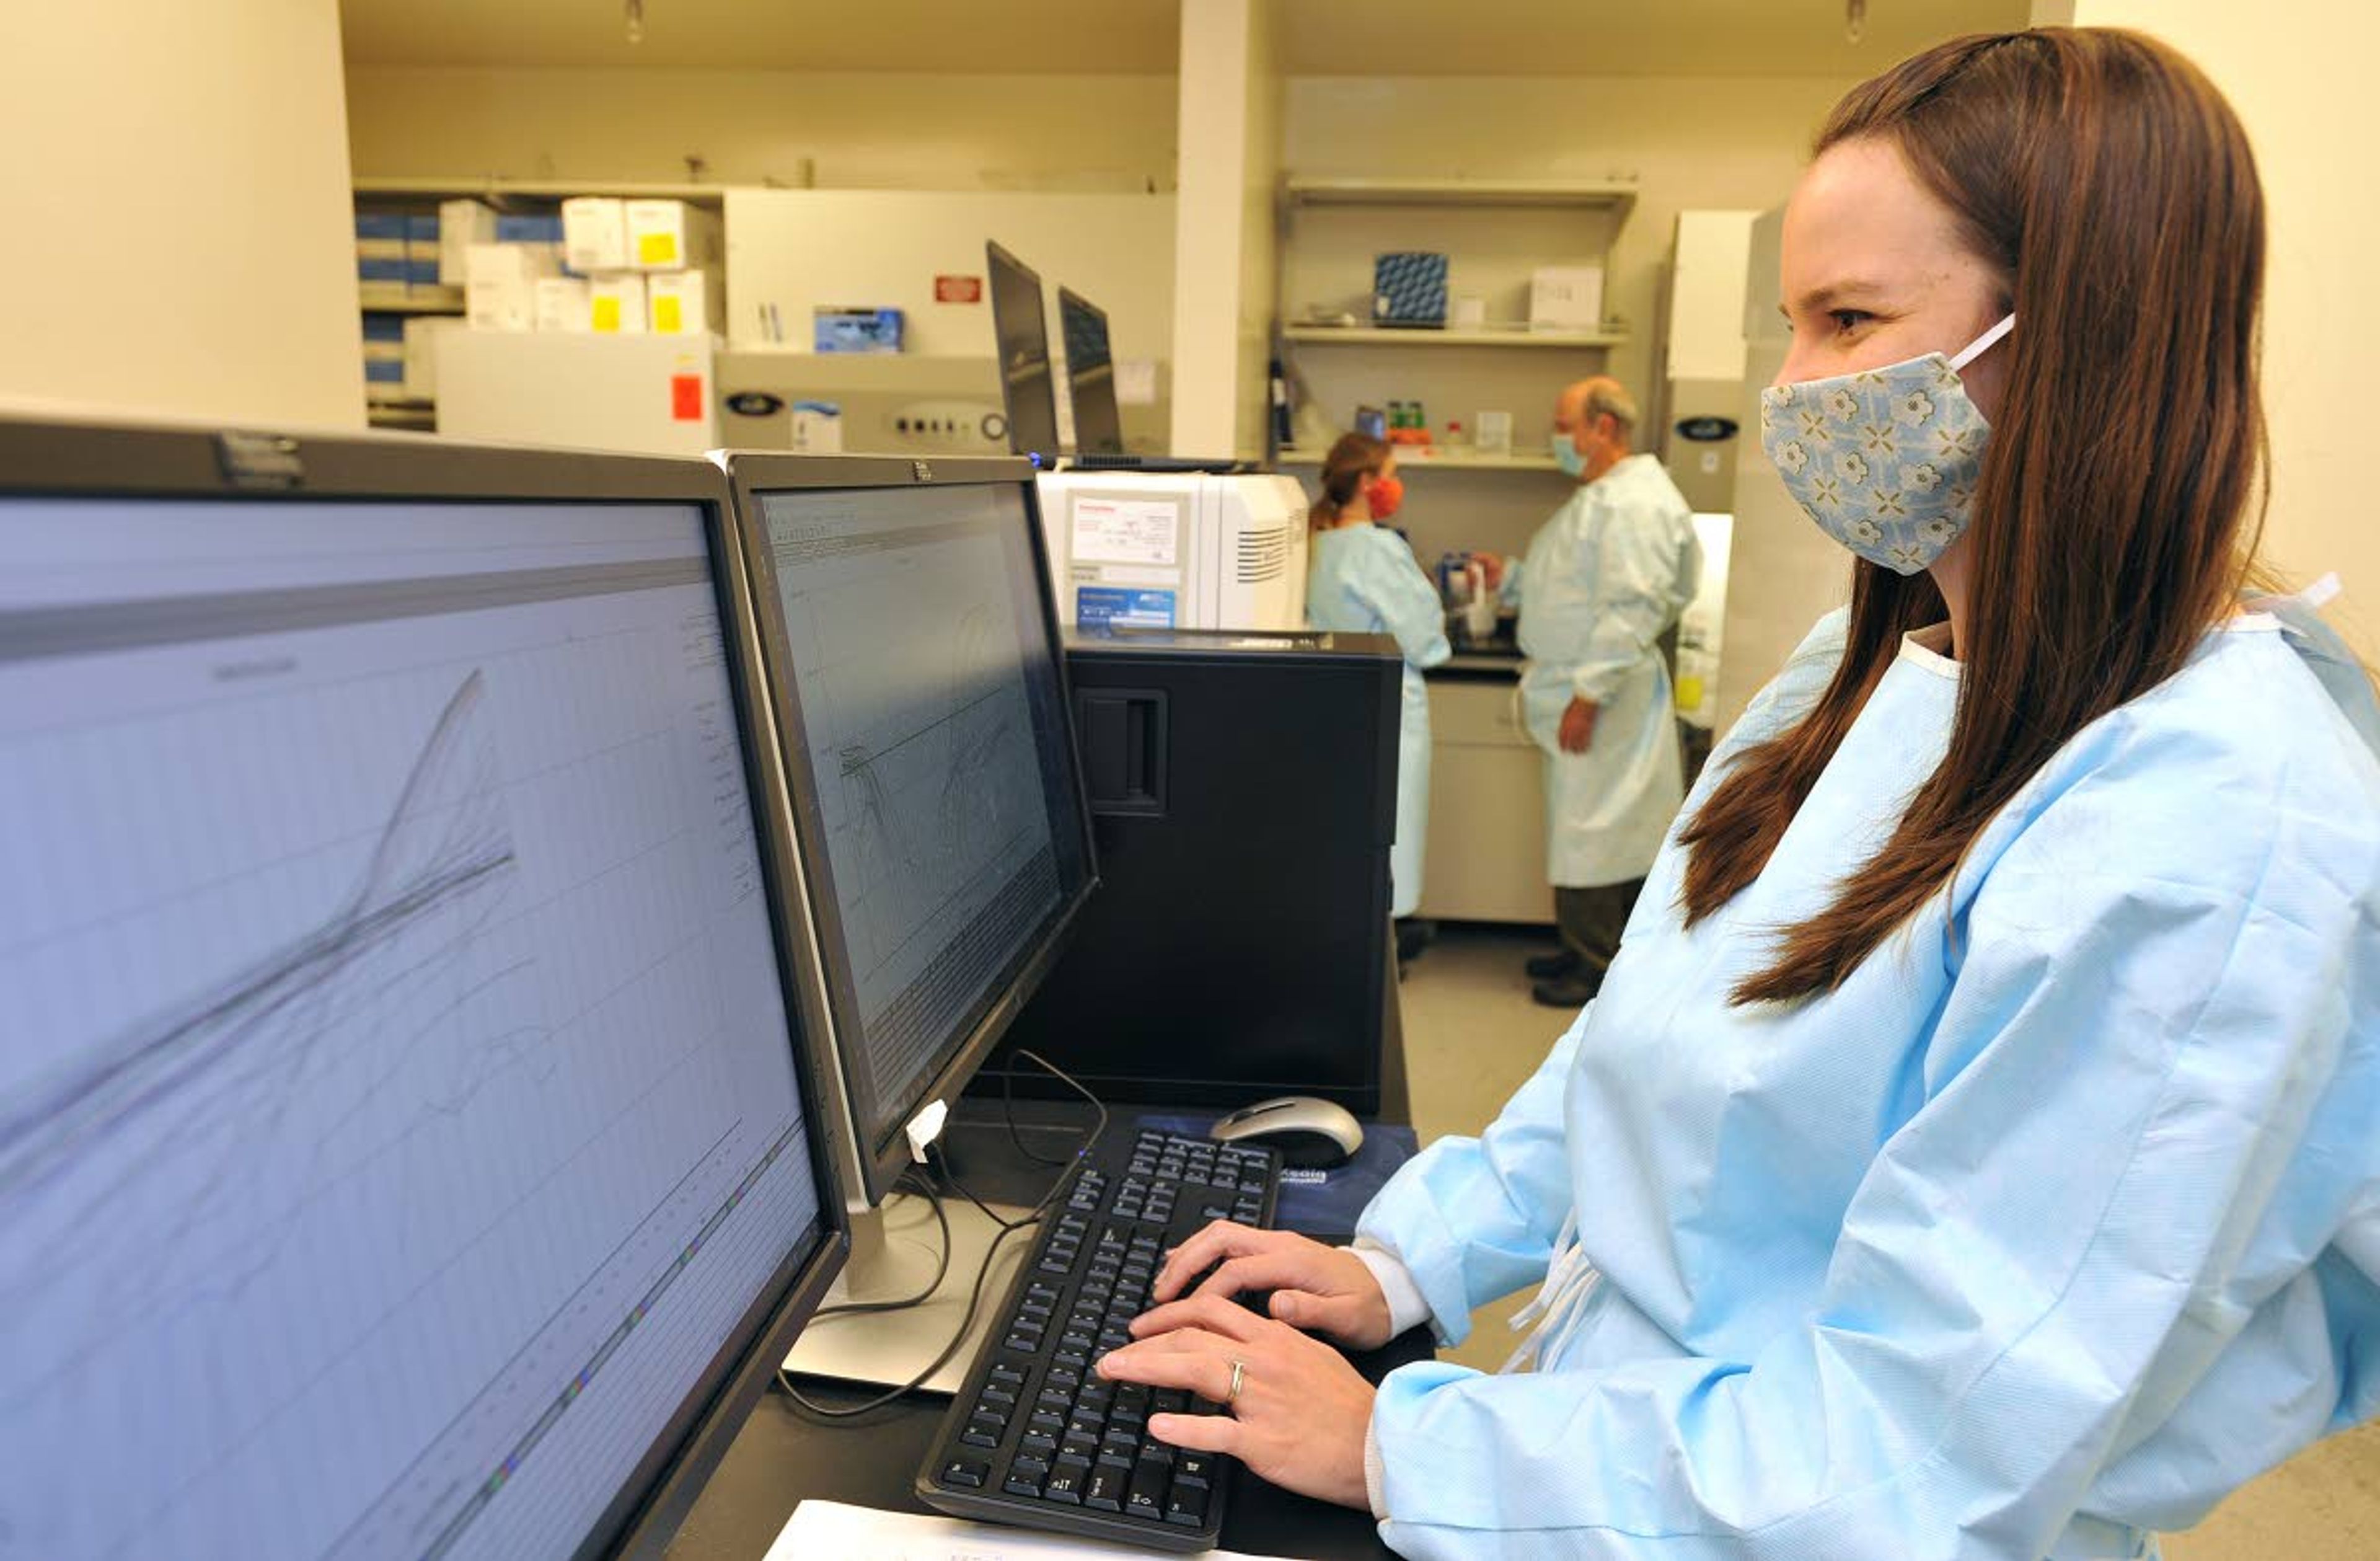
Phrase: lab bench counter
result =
(1487, 852)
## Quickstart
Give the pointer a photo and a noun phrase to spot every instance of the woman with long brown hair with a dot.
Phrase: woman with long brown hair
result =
(1975, 1149)
(1365, 580)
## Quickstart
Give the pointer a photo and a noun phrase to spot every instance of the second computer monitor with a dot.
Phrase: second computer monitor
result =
(913, 663)
(1090, 376)
(1020, 329)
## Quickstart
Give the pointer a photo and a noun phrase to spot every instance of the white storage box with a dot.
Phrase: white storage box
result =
(595, 234)
(1566, 298)
(564, 303)
(462, 224)
(669, 235)
(685, 303)
(500, 286)
(421, 333)
(616, 305)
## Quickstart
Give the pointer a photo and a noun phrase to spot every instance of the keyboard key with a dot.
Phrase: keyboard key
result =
(1067, 1477)
(1169, 1401)
(982, 1433)
(1040, 1443)
(1186, 1504)
(1132, 1404)
(968, 1472)
(1104, 1493)
(1144, 1497)
(1120, 1445)
(1045, 1422)
(1021, 1485)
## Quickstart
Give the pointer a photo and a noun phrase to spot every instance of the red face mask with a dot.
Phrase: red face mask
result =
(1388, 496)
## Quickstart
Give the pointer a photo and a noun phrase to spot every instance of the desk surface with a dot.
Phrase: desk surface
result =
(781, 1456)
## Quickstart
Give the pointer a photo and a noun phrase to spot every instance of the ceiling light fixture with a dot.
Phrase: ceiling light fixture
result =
(636, 14)
(1854, 19)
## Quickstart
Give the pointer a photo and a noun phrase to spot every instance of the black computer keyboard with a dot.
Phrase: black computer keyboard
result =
(1035, 1436)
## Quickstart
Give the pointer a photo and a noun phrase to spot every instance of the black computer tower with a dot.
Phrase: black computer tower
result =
(1243, 793)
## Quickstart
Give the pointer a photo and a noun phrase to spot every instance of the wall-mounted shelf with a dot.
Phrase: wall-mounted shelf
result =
(1411, 460)
(396, 298)
(1518, 335)
(496, 189)
(1616, 195)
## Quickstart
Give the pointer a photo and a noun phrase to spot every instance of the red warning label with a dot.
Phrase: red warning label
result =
(958, 289)
(686, 398)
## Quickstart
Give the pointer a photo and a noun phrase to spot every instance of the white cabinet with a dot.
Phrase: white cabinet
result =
(1487, 859)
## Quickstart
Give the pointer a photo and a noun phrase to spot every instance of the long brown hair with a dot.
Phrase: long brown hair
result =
(2120, 496)
(1354, 458)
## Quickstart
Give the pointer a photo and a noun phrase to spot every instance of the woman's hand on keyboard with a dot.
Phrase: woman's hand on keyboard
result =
(1327, 1290)
(1301, 1413)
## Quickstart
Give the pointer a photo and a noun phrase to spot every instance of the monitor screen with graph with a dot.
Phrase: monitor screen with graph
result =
(405, 1143)
(914, 671)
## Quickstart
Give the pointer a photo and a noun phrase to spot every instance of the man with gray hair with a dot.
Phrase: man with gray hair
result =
(1604, 582)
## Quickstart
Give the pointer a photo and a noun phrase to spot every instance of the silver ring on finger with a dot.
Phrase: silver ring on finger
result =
(1239, 1380)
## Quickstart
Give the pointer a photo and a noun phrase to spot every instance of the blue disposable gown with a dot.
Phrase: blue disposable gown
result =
(2057, 1221)
(1365, 580)
(1603, 579)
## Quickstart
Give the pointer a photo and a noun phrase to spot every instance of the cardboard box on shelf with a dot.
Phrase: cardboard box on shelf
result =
(421, 333)
(616, 304)
(500, 292)
(686, 302)
(856, 330)
(594, 234)
(671, 236)
(564, 303)
(462, 224)
(1566, 298)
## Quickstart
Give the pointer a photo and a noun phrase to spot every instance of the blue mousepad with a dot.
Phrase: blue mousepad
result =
(1320, 1204)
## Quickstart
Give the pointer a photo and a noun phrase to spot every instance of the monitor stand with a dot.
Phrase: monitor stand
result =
(893, 1250)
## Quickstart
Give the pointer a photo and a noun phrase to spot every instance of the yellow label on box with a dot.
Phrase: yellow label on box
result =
(656, 248)
(607, 314)
(669, 315)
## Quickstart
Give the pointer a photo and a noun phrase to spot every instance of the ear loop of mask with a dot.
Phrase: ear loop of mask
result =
(1983, 344)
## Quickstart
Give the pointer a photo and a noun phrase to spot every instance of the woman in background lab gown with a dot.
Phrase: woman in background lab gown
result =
(1365, 580)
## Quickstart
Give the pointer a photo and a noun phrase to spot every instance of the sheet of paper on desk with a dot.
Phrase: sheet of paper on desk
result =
(821, 1529)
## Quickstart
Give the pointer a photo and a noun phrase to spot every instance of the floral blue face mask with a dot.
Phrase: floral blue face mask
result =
(1885, 460)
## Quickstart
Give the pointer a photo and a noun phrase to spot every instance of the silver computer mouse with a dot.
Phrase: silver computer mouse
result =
(1315, 1134)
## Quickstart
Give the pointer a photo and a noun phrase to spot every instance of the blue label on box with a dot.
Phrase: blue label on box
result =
(1102, 607)
(379, 270)
(380, 225)
(379, 372)
(422, 229)
(384, 327)
(529, 230)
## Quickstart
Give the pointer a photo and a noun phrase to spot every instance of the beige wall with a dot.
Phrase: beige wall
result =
(181, 236)
(2303, 91)
(891, 131)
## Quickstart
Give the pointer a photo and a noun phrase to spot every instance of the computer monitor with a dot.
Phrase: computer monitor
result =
(1021, 333)
(405, 1136)
(913, 660)
(1090, 376)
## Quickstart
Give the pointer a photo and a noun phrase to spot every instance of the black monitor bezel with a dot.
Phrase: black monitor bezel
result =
(754, 475)
(139, 460)
(996, 260)
(1099, 378)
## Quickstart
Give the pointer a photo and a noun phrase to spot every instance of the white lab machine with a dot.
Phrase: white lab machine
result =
(649, 393)
(1176, 549)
